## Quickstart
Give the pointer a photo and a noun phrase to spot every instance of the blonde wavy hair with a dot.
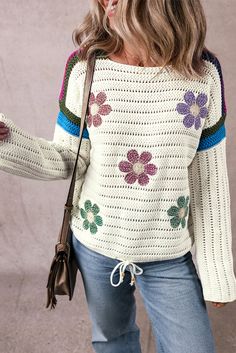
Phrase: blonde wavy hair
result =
(172, 31)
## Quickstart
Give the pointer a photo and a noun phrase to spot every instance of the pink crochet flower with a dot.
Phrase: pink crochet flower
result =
(97, 108)
(137, 167)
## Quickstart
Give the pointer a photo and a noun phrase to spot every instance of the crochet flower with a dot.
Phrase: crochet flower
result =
(91, 217)
(97, 108)
(193, 109)
(137, 167)
(179, 213)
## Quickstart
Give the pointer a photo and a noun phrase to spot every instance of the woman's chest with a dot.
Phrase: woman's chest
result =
(161, 114)
(146, 111)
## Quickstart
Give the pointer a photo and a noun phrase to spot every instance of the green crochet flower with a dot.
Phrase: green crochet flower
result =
(179, 213)
(91, 217)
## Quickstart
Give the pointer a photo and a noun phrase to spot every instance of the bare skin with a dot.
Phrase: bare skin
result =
(126, 57)
(4, 131)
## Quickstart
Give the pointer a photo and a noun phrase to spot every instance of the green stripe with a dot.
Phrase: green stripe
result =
(62, 103)
(211, 130)
(71, 116)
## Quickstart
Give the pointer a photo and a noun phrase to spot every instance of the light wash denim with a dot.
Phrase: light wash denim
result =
(172, 294)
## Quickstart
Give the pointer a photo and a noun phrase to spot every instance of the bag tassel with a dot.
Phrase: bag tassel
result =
(51, 298)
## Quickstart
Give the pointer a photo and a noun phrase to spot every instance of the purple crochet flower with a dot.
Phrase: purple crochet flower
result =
(193, 109)
(137, 167)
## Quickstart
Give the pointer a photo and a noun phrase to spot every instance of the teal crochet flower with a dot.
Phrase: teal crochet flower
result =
(179, 213)
(91, 217)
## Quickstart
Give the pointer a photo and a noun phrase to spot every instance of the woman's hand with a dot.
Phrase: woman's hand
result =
(218, 305)
(4, 131)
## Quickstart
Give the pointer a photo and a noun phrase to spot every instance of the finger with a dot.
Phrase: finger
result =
(2, 124)
(216, 304)
(4, 130)
(3, 136)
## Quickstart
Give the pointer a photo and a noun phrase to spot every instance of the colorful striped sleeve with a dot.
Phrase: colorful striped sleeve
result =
(210, 198)
(214, 128)
(69, 99)
(37, 158)
(67, 127)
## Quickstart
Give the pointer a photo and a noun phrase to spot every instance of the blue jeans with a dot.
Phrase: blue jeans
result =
(172, 295)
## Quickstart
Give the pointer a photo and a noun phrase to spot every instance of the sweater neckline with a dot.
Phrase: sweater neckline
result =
(132, 68)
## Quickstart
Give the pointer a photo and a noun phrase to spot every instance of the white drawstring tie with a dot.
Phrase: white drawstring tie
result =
(134, 270)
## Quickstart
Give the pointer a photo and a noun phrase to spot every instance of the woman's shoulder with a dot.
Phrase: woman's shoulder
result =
(73, 57)
(212, 62)
(74, 64)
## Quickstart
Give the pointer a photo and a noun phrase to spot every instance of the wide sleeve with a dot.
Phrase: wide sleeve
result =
(210, 199)
(37, 158)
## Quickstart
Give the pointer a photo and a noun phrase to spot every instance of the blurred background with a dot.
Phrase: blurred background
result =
(35, 41)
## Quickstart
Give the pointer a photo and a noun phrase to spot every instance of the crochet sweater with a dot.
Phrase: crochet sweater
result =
(152, 176)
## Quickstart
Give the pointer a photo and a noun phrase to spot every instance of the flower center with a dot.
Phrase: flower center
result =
(194, 109)
(181, 212)
(138, 168)
(90, 216)
(94, 108)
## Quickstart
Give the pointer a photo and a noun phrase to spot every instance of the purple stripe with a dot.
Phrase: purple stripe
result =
(62, 91)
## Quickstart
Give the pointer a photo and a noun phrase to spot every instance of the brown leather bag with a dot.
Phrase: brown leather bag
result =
(63, 270)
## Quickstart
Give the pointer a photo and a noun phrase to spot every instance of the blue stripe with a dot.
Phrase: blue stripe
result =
(212, 140)
(70, 127)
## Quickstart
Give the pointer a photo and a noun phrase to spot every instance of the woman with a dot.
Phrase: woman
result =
(152, 178)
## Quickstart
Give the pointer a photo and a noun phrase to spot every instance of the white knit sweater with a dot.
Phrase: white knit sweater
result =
(152, 176)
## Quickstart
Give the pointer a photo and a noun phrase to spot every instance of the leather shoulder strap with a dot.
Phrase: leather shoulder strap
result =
(87, 85)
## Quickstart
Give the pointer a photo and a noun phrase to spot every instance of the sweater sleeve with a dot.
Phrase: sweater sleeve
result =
(210, 199)
(37, 158)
